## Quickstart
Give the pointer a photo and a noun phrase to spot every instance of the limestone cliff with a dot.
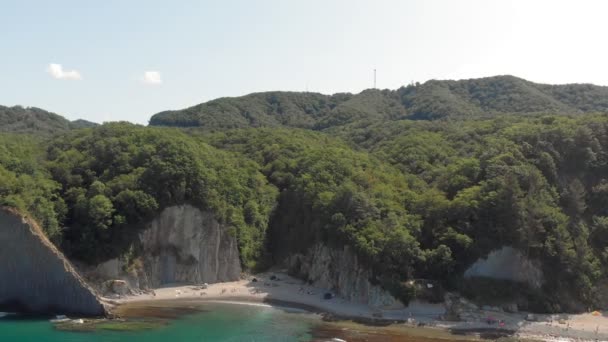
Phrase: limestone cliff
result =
(184, 244)
(509, 264)
(35, 276)
(339, 269)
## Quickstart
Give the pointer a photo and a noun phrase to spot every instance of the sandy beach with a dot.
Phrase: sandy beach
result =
(288, 291)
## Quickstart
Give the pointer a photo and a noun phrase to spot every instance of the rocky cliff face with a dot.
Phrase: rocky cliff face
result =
(184, 244)
(509, 264)
(35, 276)
(341, 271)
(102, 277)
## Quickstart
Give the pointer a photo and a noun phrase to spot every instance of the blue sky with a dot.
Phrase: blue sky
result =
(194, 51)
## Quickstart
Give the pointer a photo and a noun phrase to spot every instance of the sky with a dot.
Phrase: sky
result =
(117, 60)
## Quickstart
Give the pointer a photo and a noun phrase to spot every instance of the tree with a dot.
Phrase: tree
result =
(100, 210)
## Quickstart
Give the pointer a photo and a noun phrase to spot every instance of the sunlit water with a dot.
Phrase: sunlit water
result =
(202, 322)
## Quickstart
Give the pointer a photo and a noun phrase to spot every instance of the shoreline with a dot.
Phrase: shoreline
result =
(291, 293)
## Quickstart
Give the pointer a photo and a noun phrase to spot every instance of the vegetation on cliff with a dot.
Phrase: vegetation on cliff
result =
(414, 197)
(116, 177)
(25, 183)
(465, 188)
(330, 193)
(535, 183)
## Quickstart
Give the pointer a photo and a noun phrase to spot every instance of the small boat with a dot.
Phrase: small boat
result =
(5, 314)
(60, 319)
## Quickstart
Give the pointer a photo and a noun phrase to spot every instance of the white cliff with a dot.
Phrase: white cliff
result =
(507, 263)
(185, 245)
(339, 269)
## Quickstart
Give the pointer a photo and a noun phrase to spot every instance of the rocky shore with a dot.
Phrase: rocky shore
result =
(281, 289)
(187, 246)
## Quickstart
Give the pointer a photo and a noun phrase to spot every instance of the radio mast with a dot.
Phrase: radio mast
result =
(374, 78)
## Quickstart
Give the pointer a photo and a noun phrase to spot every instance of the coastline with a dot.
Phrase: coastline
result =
(288, 292)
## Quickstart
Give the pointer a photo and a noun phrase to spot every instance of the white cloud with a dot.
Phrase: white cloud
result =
(56, 71)
(152, 78)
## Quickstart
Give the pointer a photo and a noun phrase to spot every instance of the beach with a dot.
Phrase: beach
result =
(282, 290)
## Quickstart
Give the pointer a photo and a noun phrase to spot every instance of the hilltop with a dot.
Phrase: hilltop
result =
(432, 100)
(18, 119)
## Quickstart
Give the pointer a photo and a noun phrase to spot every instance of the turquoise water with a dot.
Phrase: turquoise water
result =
(198, 321)
(216, 322)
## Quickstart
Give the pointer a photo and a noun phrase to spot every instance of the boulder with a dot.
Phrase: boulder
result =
(120, 287)
(531, 317)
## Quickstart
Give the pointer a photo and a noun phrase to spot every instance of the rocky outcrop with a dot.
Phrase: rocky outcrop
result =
(507, 263)
(103, 276)
(35, 276)
(119, 287)
(186, 245)
(113, 286)
(340, 271)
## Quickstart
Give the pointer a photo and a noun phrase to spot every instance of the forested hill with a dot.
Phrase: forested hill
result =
(289, 109)
(19, 119)
(413, 199)
(474, 98)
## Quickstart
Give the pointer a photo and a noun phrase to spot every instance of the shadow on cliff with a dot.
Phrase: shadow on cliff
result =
(35, 276)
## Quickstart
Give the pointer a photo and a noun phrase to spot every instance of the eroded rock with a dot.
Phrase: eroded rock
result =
(340, 271)
(186, 245)
(120, 287)
(182, 245)
(507, 263)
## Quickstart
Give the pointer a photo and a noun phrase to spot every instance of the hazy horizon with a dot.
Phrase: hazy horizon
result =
(127, 61)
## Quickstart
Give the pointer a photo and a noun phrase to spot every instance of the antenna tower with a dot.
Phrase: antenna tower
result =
(374, 78)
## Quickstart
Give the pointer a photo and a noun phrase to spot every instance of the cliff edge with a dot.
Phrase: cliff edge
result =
(34, 274)
(186, 245)
(182, 245)
(339, 269)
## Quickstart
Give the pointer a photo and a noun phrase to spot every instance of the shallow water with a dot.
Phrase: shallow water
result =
(208, 322)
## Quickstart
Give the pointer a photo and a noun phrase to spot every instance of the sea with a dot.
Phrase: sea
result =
(206, 321)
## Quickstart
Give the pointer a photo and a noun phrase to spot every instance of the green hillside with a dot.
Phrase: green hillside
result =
(19, 119)
(510, 163)
(536, 183)
(475, 98)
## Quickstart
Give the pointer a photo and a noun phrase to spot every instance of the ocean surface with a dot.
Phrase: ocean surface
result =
(203, 322)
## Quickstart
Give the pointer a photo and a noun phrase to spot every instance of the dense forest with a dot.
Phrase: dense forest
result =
(432, 100)
(420, 182)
